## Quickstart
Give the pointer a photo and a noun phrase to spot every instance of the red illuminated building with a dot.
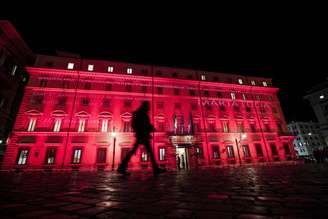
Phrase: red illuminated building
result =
(75, 109)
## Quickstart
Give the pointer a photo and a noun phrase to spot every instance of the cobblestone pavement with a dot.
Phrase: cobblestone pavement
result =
(279, 191)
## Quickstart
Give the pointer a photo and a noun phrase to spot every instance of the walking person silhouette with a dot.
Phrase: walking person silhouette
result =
(142, 128)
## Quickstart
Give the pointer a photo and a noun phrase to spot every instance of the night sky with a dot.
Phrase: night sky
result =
(290, 49)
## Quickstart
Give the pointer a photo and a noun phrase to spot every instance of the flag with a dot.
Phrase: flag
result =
(191, 125)
(175, 122)
(181, 124)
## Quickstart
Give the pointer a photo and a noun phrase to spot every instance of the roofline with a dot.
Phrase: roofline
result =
(160, 66)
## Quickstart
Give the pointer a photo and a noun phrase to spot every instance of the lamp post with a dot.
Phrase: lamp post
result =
(114, 142)
(242, 137)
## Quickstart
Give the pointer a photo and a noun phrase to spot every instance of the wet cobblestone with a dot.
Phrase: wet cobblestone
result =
(278, 191)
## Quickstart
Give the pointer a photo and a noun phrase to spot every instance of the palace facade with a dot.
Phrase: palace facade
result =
(76, 114)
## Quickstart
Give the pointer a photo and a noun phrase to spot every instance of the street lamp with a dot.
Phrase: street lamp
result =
(114, 142)
(242, 137)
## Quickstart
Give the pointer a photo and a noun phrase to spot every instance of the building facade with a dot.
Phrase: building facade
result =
(318, 98)
(76, 114)
(14, 56)
(307, 137)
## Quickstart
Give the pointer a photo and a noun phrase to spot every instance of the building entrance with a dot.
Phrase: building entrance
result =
(182, 158)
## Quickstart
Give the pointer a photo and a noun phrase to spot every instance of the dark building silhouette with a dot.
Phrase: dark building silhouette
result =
(14, 56)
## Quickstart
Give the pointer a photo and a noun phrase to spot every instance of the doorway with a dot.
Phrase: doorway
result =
(182, 158)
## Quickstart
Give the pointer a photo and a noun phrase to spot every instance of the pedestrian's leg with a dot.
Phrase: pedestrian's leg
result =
(151, 154)
(128, 156)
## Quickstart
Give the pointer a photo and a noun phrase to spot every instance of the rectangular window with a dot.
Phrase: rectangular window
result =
(61, 101)
(110, 69)
(240, 81)
(108, 87)
(90, 67)
(176, 91)
(246, 151)
(128, 88)
(106, 103)
(196, 127)
(126, 126)
(129, 71)
(127, 103)
(253, 128)
(212, 127)
(77, 153)
(240, 127)
(87, 85)
(31, 125)
(144, 71)
(13, 70)
(208, 107)
(225, 126)
(206, 93)
(85, 102)
(177, 105)
(81, 125)
(192, 93)
(70, 66)
(101, 155)
(219, 94)
(253, 83)
(160, 126)
(194, 106)
(50, 155)
(22, 156)
(65, 84)
(273, 149)
(160, 90)
(259, 151)
(57, 125)
(43, 83)
(144, 156)
(161, 154)
(199, 152)
(104, 125)
(230, 152)
(158, 73)
(267, 127)
(203, 77)
(233, 96)
(265, 84)
(222, 108)
(143, 89)
(216, 152)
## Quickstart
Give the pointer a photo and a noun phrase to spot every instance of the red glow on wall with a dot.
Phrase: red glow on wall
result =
(67, 117)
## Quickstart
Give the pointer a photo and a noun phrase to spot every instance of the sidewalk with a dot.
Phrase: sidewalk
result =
(277, 191)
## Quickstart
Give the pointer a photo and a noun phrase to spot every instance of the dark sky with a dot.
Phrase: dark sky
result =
(289, 47)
